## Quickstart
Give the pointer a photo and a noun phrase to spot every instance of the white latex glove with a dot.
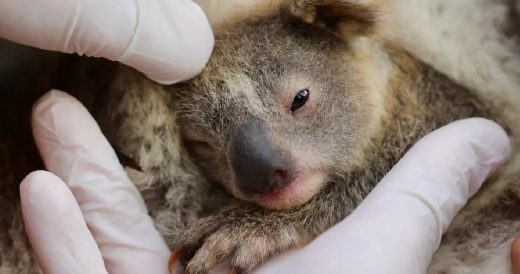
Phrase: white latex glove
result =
(399, 225)
(395, 230)
(168, 40)
(120, 232)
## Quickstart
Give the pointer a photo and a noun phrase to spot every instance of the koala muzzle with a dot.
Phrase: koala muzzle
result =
(258, 167)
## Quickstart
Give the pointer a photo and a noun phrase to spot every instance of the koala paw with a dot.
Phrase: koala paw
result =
(245, 234)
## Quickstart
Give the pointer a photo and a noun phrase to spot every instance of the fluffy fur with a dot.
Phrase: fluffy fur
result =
(170, 182)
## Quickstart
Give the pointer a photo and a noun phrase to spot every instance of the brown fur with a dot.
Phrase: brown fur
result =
(415, 101)
(374, 101)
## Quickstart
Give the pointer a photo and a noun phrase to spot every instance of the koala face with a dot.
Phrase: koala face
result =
(279, 109)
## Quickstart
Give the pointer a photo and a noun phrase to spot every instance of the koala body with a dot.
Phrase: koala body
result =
(296, 171)
(302, 109)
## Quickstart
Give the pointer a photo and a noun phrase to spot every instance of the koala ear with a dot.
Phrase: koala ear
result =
(343, 16)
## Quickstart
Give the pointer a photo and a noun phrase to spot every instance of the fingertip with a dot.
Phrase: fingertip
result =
(55, 226)
(67, 136)
(202, 47)
(51, 98)
(469, 149)
(192, 54)
(49, 111)
(487, 131)
(175, 45)
(482, 147)
(36, 180)
(42, 190)
(44, 196)
(475, 130)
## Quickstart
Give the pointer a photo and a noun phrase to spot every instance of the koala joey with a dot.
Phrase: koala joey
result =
(300, 111)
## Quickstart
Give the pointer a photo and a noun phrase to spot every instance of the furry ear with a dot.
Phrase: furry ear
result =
(343, 16)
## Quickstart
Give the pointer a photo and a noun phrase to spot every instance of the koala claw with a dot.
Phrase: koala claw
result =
(244, 235)
(233, 271)
(173, 259)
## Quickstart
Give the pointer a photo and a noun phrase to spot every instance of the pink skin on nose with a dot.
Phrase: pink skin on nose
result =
(300, 190)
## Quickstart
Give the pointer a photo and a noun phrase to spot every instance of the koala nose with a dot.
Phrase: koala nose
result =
(257, 166)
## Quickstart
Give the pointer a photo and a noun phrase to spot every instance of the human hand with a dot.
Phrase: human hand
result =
(121, 234)
(169, 41)
(398, 227)
(86, 216)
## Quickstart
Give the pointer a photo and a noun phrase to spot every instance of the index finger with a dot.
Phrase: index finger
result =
(56, 229)
(398, 227)
(73, 147)
(169, 41)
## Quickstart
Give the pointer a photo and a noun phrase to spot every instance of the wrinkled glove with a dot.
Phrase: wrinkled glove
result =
(168, 40)
(89, 218)
(97, 193)
(399, 225)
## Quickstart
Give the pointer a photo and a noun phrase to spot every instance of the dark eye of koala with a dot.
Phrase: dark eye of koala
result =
(300, 99)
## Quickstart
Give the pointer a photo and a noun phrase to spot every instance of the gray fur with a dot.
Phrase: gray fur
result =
(374, 101)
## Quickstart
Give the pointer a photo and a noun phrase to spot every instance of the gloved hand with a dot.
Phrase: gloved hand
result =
(395, 230)
(97, 193)
(168, 40)
(399, 225)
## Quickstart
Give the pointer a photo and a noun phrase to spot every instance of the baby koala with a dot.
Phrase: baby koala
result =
(302, 109)
(300, 112)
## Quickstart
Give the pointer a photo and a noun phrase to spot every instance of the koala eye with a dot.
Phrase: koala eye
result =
(300, 99)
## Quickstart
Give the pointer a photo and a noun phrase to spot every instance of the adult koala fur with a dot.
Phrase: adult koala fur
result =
(367, 101)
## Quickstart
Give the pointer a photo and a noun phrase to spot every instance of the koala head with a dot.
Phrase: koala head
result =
(282, 105)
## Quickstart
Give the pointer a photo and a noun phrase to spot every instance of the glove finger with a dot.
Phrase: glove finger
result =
(169, 41)
(397, 228)
(56, 228)
(420, 196)
(73, 147)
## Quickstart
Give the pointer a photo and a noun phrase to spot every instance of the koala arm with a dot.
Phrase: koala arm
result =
(169, 41)
(409, 210)
(47, 203)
